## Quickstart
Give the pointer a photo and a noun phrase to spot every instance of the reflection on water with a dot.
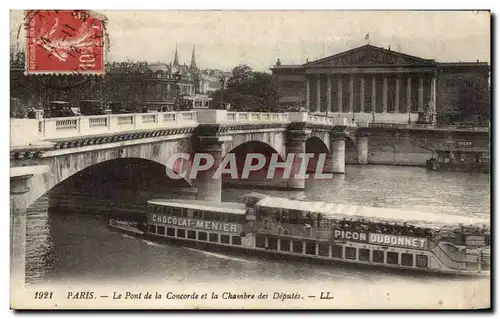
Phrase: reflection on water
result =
(67, 247)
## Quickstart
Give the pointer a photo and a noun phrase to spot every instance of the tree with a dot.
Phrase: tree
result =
(248, 90)
(474, 101)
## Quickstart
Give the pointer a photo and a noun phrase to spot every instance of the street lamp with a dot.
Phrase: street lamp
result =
(223, 85)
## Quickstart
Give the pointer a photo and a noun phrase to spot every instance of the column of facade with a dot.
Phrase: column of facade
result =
(351, 94)
(362, 95)
(408, 93)
(208, 187)
(337, 154)
(318, 93)
(328, 94)
(296, 144)
(420, 94)
(374, 96)
(308, 93)
(384, 95)
(433, 100)
(339, 89)
(396, 100)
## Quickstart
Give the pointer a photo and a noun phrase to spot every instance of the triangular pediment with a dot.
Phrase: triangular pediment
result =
(369, 55)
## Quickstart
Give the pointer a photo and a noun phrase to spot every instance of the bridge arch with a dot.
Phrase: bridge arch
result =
(115, 185)
(351, 150)
(63, 165)
(315, 145)
(240, 152)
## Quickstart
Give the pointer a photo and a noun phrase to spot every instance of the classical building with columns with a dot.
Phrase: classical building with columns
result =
(376, 84)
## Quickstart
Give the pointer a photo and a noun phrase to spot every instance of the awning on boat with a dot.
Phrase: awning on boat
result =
(339, 211)
(218, 207)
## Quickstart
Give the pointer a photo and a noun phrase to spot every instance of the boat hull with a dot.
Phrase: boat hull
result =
(253, 252)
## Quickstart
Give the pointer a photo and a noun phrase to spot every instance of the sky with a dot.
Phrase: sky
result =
(224, 39)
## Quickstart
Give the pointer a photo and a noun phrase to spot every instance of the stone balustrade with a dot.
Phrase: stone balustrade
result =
(47, 129)
(54, 128)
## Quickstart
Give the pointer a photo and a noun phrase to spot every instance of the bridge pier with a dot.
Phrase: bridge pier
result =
(362, 146)
(18, 205)
(296, 144)
(337, 154)
(210, 188)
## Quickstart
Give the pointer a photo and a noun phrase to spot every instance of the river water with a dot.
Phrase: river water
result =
(72, 247)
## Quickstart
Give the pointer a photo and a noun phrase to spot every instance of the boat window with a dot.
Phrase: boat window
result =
(161, 230)
(213, 237)
(297, 246)
(240, 219)
(337, 251)
(422, 261)
(176, 211)
(151, 209)
(272, 243)
(324, 223)
(407, 259)
(170, 231)
(323, 249)
(152, 229)
(236, 240)
(208, 215)
(260, 241)
(294, 216)
(310, 248)
(350, 253)
(198, 214)
(167, 210)
(181, 233)
(224, 239)
(284, 245)
(232, 218)
(392, 258)
(202, 235)
(190, 213)
(378, 256)
(216, 216)
(184, 212)
(191, 234)
(364, 254)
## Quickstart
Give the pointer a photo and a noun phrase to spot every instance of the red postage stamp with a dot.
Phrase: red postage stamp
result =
(64, 42)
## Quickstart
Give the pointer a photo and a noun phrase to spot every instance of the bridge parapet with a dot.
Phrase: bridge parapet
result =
(225, 117)
(417, 126)
(56, 128)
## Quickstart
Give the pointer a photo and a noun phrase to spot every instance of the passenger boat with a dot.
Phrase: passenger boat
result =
(460, 156)
(328, 232)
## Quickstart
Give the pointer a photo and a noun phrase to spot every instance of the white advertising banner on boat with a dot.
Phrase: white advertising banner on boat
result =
(398, 241)
(196, 223)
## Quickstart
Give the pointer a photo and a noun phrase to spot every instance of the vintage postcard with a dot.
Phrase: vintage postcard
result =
(250, 159)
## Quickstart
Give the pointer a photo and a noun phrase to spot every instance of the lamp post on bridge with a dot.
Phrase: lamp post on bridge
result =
(223, 80)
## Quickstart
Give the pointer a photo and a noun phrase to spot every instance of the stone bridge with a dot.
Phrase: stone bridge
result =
(48, 151)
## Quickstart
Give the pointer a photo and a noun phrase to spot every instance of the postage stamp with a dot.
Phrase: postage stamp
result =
(342, 161)
(64, 41)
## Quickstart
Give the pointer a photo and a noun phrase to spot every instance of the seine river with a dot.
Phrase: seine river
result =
(71, 247)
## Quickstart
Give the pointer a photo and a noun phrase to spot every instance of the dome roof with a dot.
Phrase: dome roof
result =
(155, 67)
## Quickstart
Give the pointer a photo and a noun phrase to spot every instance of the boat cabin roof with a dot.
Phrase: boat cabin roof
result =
(220, 207)
(340, 211)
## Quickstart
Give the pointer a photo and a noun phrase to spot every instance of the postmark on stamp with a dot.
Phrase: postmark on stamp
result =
(64, 42)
